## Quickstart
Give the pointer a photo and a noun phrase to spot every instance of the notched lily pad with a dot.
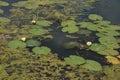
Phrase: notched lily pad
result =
(43, 23)
(95, 17)
(16, 44)
(37, 32)
(72, 59)
(41, 50)
(32, 43)
(92, 65)
(97, 47)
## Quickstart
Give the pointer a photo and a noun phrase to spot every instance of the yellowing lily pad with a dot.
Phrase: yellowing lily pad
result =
(95, 17)
(112, 60)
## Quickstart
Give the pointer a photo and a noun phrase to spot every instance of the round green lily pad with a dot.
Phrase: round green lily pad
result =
(32, 43)
(97, 47)
(41, 50)
(95, 17)
(16, 44)
(4, 20)
(36, 31)
(92, 65)
(43, 23)
(72, 59)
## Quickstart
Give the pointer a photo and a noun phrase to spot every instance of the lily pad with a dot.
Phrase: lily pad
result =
(3, 3)
(112, 60)
(97, 47)
(41, 50)
(95, 17)
(72, 29)
(92, 65)
(72, 59)
(68, 23)
(37, 32)
(109, 41)
(43, 23)
(16, 44)
(109, 52)
(32, 43)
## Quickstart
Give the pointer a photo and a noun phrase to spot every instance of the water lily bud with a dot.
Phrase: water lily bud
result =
(33, 21)
(88, 43)
(23, 39)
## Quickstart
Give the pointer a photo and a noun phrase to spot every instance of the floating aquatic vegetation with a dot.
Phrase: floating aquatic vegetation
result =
(1, 11)
(92, 65)
(32, 43)
(69, 26)
(88, 64)
(31, 4)
(97, 47)
(112, 72)
(72, 59)
(109, 41)
(95, 17)
(106, 33)
(3, 3)
(37, 32)
(41, 50)
(112, 60)
(4, 20)
(43, 23)
(16, 44)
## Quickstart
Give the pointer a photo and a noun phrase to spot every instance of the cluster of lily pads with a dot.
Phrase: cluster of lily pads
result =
(37, 30)
(88, 64)
(107, 33)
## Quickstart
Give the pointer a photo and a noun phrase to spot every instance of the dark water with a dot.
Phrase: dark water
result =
(109, 9)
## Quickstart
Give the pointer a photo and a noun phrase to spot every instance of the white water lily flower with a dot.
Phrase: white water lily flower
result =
(88, 43)
(23, 38)
(33, 21)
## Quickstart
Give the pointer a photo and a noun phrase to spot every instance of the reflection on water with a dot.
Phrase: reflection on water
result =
(109, 9)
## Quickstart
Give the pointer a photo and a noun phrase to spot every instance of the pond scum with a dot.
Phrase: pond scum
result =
(23, 57)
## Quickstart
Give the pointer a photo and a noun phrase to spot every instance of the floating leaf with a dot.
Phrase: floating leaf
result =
(68, 23)
(16, 44)
(109, 41)
(32, 43)
(2, 3)
(92, 65)
(72, 29)
(95, 17)
(42, 23)
(97, 47)
(37, 32)
(112, 60)
(109, 52)
(41, 50)
(72, 59)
